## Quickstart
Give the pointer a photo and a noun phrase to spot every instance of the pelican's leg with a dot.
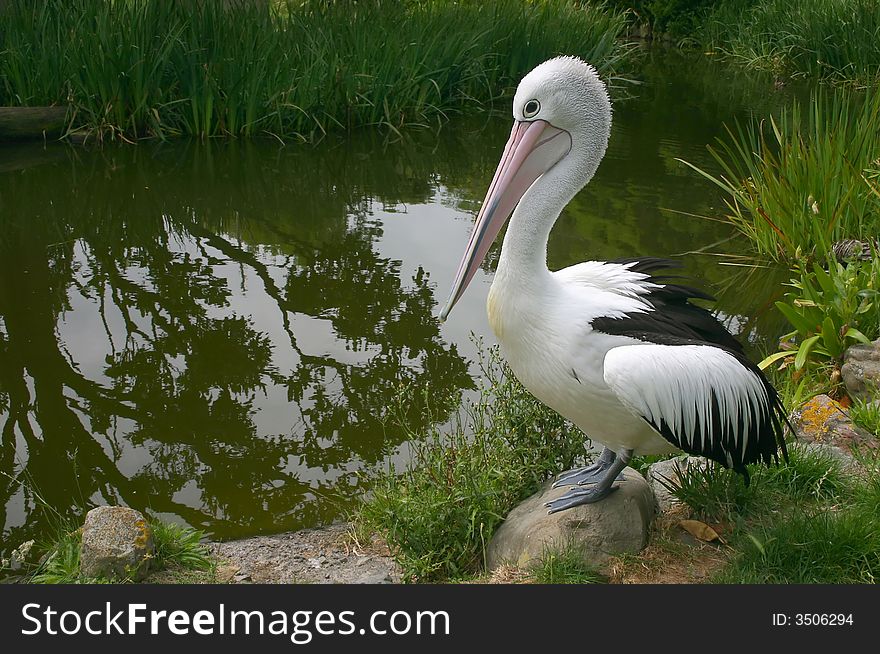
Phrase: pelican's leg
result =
(602, 488)
(591, 473)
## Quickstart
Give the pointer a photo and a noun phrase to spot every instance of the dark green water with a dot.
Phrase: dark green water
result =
(214, 332)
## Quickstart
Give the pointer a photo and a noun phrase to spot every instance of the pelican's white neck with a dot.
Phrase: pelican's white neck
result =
(523, 261)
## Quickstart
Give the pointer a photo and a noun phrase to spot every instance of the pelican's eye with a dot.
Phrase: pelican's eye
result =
(531, 109)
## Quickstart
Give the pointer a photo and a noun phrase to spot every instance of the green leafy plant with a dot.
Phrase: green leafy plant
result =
(829, 310)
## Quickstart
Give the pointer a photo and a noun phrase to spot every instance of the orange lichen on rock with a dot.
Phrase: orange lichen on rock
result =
(816, 418)
(822, 420)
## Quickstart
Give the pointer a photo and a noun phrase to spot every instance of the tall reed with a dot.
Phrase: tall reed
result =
(291, 69)
(798, 182)
(837, 40)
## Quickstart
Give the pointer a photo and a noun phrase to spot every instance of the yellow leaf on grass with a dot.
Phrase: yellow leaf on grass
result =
(700, 530)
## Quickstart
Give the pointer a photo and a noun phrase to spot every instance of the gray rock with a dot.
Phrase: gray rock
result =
(117, 543)
(663, 473)
(861, 370)
(618, 524)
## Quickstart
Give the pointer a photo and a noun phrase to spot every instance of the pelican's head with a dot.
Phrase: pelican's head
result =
(561, 113)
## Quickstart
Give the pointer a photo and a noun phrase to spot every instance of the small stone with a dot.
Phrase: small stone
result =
(615, 525)
(861, 370)
(117, 543)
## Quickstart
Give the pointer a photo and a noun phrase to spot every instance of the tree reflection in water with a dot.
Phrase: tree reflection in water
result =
(151, 305)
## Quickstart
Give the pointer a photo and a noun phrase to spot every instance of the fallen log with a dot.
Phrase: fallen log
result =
(31, 122)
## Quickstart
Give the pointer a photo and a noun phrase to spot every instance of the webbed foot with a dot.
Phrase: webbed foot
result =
(578, 496)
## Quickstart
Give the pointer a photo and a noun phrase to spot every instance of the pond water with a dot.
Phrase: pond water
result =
(213, 332)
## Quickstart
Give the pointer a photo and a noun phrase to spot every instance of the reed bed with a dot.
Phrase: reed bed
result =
(834, 40)
(134, 69)
(799, 182)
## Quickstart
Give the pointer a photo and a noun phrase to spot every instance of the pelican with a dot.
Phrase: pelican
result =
(616, 347)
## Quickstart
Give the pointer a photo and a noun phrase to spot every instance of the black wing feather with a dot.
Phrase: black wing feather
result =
(673, 313)
(675, 321)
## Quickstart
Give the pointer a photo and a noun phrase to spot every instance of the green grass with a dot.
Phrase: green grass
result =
(798, 182)
(811, 547)
(807, 521)
(835, 40)
(866, 415)
(563, 565)
(179, 546)
(795, 388)
(439, 513)
(135, 69)
(176, 548)
(715, 493)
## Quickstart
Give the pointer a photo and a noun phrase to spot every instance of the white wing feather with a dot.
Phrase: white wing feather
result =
(674, 384)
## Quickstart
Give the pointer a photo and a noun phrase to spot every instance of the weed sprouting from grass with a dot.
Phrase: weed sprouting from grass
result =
(440, 512)
(564, 565)
(293, 69)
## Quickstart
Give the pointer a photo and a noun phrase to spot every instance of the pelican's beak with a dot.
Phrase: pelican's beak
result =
(533, 148)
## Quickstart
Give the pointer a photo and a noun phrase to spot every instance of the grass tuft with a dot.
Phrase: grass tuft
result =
(717, 493)
(799, 182)
(180, 546)
(866, 415)
(564, 565)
